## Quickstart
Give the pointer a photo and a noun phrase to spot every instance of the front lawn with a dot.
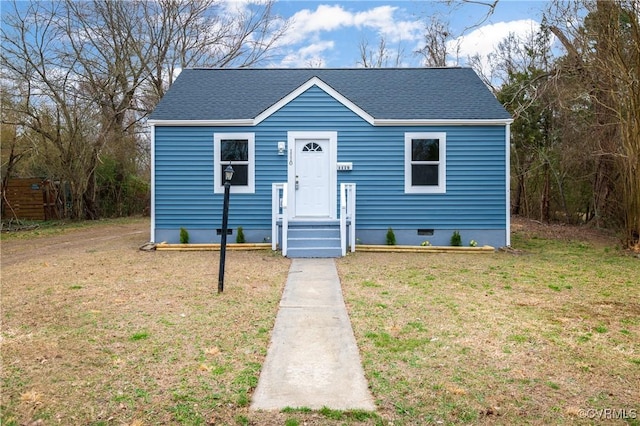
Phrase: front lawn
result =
(97, 332)
(546, 334)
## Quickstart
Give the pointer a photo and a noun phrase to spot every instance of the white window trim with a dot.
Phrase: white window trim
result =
(441, 188)
(218, 185)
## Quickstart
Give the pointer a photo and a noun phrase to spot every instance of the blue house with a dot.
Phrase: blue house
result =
(325, 159)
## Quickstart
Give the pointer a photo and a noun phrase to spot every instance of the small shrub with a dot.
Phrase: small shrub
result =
(184, 236)
(240, 236)
(473, 243)
(456, 239)
(391, 237)
(425, 243)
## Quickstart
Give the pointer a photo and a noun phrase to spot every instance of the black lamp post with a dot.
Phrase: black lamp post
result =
(228, 175)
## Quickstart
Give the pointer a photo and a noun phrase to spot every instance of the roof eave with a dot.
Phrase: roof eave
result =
(222, 123)
(376, 122)
(443, 122)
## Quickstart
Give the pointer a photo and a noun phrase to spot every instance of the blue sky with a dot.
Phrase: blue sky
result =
(328, 33)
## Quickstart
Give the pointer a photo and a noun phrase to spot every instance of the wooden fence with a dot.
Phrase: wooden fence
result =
(31, 199)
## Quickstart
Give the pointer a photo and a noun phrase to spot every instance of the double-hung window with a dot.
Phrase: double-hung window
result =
(237, 150)
(425, 163)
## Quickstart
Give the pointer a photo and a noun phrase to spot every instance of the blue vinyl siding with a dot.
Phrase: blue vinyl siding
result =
(475, 193)
(475, 197)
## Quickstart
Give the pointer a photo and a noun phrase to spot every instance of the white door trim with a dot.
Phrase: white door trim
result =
(291, 170)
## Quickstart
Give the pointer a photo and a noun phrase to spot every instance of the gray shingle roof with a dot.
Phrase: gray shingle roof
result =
(384, 93)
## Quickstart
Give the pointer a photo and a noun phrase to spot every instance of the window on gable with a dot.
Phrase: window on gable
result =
(425, 163)
(237, 150)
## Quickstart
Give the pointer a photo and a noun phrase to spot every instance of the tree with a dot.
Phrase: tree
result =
(436, 37)
(201, 34)
(84, 75)
(13, 148)
(44, 92)
(527, 95)
(603, 58)
(380, 57)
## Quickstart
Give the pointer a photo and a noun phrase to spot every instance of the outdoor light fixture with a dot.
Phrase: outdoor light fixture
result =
(228, 175)
(281, 147)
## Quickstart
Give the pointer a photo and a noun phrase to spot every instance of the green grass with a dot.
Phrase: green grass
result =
(296, 410)
(141, 335)
(466, 339)
(348, 415)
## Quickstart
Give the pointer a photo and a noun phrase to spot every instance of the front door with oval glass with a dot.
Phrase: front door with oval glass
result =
(312, 183)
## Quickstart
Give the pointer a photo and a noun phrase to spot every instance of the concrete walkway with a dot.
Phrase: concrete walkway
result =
(312, 360)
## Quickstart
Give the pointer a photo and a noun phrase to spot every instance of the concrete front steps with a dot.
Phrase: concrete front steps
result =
(313, 239)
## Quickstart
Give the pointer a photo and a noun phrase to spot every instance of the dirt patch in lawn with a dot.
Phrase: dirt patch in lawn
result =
(529, 228)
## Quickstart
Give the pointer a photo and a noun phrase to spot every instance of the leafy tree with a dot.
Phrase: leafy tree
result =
(526, 93)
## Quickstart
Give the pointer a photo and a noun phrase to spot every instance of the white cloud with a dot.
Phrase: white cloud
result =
(484, 40)
(313, 27)
(308, 56)
(237, 7)
(306, 23)
(316, 48)
(378, 17)
(383, 21)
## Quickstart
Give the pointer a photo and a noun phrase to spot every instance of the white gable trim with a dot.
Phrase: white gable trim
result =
(315, 81)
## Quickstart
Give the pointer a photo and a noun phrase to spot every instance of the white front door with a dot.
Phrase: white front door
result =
(312, 177)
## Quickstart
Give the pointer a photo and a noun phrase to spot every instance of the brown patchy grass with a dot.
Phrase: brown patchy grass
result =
(544, 337)
(95, 331)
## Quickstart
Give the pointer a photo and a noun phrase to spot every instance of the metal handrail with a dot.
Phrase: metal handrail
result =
(285, 220)
(279, 213)
(347, 213)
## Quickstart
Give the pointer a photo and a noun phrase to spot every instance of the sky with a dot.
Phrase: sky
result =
(329, 33)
